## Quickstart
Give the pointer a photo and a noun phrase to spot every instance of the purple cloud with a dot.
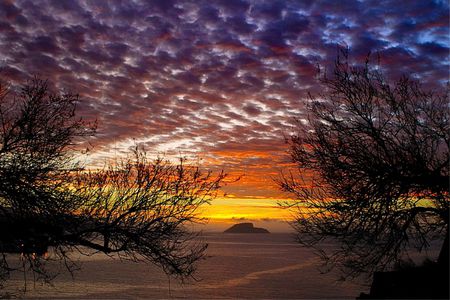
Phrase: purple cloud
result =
(210, 78)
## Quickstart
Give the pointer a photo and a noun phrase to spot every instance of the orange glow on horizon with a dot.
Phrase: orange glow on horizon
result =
(230, 209)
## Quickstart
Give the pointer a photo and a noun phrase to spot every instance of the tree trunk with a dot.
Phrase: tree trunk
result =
(443, 259)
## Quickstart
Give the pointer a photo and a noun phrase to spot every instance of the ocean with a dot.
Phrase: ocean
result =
(237, 266)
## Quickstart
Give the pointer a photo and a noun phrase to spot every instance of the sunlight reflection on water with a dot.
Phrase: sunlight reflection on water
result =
(237, 266)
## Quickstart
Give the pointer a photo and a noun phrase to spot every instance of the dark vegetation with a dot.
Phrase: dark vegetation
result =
(427, 281)
(50, 206)
(373, 162)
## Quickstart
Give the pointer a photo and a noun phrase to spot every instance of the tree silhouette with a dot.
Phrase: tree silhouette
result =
(373, 160)
(139, 208)
(49, 206)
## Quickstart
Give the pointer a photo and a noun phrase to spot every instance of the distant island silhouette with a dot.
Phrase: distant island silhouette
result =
(245, 228)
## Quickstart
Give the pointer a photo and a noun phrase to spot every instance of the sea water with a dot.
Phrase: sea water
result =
(237, 266)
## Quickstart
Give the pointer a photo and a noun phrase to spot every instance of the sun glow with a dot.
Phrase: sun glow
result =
(229, 209)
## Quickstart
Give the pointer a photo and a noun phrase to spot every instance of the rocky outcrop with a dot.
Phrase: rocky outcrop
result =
(245, 228)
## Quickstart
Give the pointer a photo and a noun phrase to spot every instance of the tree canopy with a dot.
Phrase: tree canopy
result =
(373, 162)
(137, 207)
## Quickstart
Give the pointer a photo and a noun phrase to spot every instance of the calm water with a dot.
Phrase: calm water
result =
(238, 266)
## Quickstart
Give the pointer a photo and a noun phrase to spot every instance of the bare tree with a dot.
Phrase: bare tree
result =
(37, 132)
(136, 208)
(139, 209)
(373, 162)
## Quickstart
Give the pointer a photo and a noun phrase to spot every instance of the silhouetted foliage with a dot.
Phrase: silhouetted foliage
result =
(139, 209)
(49, 206)
(373, 161)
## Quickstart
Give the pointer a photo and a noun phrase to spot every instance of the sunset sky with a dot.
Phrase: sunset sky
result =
(219, 81)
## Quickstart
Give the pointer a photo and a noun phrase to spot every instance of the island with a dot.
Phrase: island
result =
(245, 228)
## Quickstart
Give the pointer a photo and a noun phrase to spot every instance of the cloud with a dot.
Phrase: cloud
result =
(210, 78)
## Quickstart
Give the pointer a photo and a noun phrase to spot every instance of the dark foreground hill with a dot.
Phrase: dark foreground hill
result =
(430, 281)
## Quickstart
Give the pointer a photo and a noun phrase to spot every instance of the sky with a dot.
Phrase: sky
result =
(217, 81)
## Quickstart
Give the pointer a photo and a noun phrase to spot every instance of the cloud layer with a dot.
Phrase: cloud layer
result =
(219, 79)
